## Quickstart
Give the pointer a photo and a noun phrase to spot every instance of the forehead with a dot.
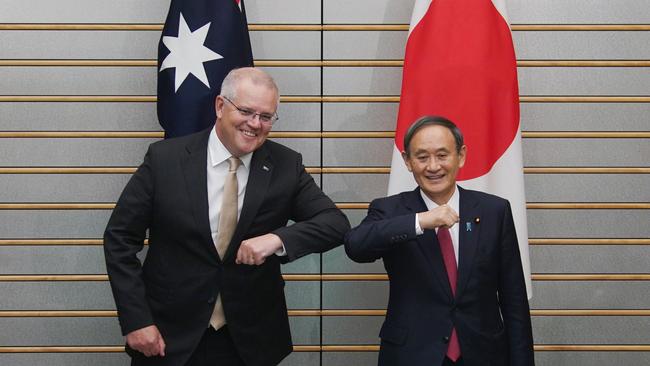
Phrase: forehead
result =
(256, 95)
(433, 138)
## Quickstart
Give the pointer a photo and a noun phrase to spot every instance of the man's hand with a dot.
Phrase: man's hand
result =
(147, 340)
(439, 216)
(254, 251)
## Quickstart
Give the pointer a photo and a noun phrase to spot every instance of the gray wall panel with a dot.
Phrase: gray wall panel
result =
(296, 80)
(357, 152)
(336, 261)
(350, 358)
(51, 80)
(97, 295)
(546, 329)
(107, 152)
(109, 45)
(531, 45)
(355, 295)
(578, 11)
(306, 264)
(41, 11)
(532, 11)
(283, 11)
(590, 330)
(534, 116)
(272, 45)
(588, 223)
(355, 216)
(305, 329)
(73, 152)
(367, 11)
(139, 44)
(52, 260)
(585, 152)
(308, 147)
(362, 45)
(62, 187)
(585, 116)
(56, 296)
(362, 80)
(106, 116)
(587, 187)
(583, 81)
(592, 358)
(589, 259)
(298, 117)
(539, 187)
(302, 358)
(581, 45)
(61, 332)
(359, 116)
(64, 359)
(90, 259)
(146, 11)
(62, 116)
(354, 187)
(590, 295)
(532, 81)
(53, 223)
(351, 329)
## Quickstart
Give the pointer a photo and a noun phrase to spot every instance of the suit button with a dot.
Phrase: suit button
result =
(445, 339)
(211, 300)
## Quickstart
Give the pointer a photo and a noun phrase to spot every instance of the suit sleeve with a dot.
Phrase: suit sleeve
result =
(123, 239)
(378, 233)
(319, 225)
(513, 298)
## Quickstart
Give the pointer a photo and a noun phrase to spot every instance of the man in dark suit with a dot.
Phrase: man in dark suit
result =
(439, 313)
(216, 204)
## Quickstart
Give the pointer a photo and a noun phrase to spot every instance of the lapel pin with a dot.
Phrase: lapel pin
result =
(468, 226)
(266, 168)
(477, 220)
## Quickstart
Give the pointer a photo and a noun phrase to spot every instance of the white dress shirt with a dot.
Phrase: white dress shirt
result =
(454, 203)
(217, 168)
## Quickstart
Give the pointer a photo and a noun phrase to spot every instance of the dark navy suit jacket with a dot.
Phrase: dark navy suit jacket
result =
(182, 275)
(490, 310)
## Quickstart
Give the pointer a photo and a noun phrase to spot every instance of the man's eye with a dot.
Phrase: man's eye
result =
(246, 112)
(266, 117)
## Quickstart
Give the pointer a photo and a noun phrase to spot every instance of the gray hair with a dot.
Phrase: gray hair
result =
(255, 75)
(433, 121)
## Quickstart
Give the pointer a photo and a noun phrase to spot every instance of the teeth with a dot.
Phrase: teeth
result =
(248, 133)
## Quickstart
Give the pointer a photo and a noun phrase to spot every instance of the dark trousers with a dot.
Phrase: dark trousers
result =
(448, 362)
(215, 348)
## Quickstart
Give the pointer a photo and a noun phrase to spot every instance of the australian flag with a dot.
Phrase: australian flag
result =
(202, 40)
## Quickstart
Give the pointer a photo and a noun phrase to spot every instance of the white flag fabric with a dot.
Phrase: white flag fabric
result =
(460, 64)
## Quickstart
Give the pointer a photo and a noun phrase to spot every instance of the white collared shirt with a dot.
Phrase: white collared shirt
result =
(217, 169)
(454, 203)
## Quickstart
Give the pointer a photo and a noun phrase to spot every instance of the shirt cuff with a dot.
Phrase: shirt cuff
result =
(282, 252)
(418, 229)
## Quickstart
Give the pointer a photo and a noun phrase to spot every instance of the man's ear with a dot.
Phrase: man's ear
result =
(407, 161)
(218, 106)
(461, 156)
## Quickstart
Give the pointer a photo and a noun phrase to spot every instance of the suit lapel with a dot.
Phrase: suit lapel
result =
(468, 235)
(428, 243)
(259, 178)
(194, 166)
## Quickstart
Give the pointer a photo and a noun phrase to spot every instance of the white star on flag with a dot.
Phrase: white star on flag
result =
(187, 53)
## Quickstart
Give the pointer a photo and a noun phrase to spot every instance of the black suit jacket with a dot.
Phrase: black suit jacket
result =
(178, 283)
(490, 310)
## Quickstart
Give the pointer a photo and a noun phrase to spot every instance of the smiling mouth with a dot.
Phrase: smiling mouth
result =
(248, 133)
(436, 177)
